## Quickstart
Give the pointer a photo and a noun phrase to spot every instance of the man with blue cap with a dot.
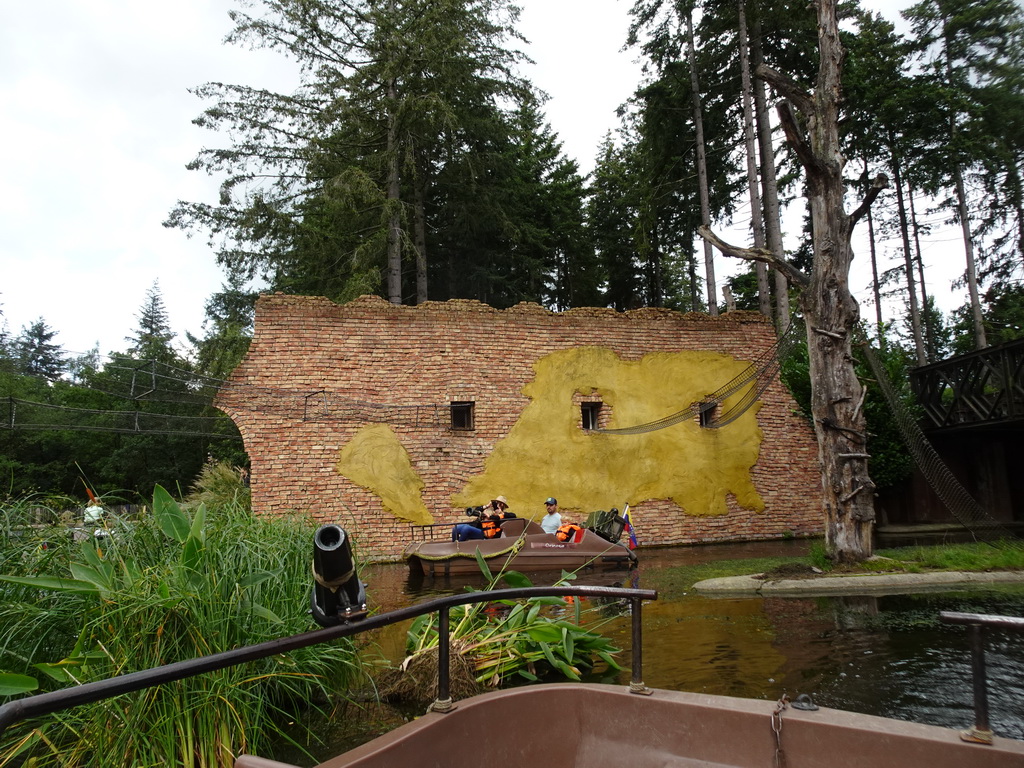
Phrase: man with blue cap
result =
(552, 520)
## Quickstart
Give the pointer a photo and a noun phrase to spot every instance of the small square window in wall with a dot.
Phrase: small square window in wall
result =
(707, 413)
(462, 415)
(590, 412)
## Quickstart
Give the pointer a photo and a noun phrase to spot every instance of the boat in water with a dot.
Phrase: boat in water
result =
(524, 546)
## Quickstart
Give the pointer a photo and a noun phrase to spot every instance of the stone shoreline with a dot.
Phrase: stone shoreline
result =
(856, 584)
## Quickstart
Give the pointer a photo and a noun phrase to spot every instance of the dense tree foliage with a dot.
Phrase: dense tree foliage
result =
(912, 108)
(411, 161)
(36, 355)
(153, 336)
(116, 424)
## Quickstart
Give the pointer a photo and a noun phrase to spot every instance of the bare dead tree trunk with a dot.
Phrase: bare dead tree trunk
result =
(764, 294)
(419, 232)
(702, 169)
(876, 289)
(691, 273)
(830, 311)
(393, 202)
(980, 342)
(656, 279)
(1014, 186)
(927, 326)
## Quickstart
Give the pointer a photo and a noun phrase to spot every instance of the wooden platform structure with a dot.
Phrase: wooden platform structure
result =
(984, 388)
(973, 416)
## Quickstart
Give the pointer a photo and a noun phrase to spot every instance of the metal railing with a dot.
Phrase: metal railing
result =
(432, 531)
(981, 732)
(56, 701)
(981, 387)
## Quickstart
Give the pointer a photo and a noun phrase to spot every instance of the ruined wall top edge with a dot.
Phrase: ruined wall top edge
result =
(311, 306)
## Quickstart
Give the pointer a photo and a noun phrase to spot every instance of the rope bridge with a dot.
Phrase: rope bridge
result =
(968, 512)
(16, 413)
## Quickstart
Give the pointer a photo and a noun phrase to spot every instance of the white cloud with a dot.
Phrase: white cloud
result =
(577, 47)
(97, 126)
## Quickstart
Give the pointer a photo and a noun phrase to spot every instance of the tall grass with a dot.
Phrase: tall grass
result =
(1007, 556)
(220, 483)
(167, 587)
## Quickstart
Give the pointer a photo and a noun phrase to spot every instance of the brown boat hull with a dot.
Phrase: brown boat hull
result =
(523, 546)
(564, 725)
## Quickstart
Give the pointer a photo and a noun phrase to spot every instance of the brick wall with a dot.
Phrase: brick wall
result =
(316, 372)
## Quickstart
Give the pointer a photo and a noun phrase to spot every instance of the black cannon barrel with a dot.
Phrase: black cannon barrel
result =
(332, 554)
(338, 595)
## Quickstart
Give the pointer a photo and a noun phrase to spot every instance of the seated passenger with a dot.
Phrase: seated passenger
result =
(487, 524)
(470, 530)
(491, 523)
(553, 518)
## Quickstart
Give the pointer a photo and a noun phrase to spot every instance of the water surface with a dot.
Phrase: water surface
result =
(881, 655)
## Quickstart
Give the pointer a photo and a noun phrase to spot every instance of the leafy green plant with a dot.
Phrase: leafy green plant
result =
(502, 640)
(171, 586)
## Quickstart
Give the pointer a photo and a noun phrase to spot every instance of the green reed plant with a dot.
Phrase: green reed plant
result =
(35, 538)
(171, 586)
(220, 483)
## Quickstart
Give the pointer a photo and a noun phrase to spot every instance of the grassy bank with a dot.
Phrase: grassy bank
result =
(919, 559)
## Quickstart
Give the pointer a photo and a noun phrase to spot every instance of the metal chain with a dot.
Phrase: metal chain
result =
(780, 758)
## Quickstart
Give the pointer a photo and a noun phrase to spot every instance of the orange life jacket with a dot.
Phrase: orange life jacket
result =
(491, 527)
(567, 532)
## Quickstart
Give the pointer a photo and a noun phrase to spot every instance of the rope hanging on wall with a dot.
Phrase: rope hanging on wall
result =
(757, 376)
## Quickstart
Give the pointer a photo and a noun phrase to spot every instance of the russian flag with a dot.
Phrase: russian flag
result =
(633, 543)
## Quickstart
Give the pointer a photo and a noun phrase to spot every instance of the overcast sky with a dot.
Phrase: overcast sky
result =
(96, 125)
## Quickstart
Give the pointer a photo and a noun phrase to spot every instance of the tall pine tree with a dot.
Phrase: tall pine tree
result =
(386, 171)
(37, 355)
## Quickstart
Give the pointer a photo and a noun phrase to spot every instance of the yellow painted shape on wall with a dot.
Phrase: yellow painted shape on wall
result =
(547, 453)
(375, 459)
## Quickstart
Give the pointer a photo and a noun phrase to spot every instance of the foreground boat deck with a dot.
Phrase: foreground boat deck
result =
(569, 725)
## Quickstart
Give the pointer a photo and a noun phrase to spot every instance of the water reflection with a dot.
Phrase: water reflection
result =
(897, 660)
(885, 655)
